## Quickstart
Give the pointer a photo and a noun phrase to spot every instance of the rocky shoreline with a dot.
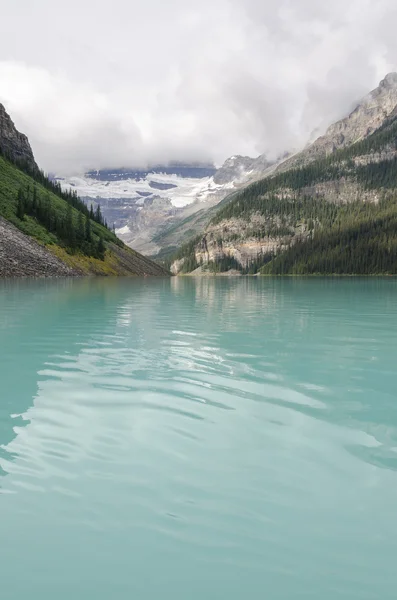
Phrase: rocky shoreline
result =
(21, 256)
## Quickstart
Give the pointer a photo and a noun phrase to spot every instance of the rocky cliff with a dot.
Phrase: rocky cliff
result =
(13, 144)
(367, 117)
(234, 169)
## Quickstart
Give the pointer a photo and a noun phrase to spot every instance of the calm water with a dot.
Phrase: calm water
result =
(198, 439)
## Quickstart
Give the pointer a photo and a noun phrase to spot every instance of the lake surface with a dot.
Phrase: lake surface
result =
(196, 439)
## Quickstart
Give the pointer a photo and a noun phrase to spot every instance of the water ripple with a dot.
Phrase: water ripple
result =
(198, 439)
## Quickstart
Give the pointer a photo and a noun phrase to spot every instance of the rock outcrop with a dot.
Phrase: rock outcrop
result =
(13, 144)
(369, 115)
(233, 169)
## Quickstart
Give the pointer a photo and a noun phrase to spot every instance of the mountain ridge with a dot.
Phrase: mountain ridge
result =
(238, 172)
(311, 196)
(369, 114)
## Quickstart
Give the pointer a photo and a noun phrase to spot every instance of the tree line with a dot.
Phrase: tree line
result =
(70, 196)
(335, 166)
(363, 245)
(357, 237)
(360, 239)
(75, 234)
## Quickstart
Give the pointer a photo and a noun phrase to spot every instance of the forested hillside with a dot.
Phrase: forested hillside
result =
(376, 173)
(59, 220)
(337, 214)
(361, 240)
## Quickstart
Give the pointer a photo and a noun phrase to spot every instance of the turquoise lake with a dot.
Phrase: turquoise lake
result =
(196, 439)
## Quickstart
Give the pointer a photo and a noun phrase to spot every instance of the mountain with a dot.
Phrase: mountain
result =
(142, 202)
(156, 209)
(45, 231)
(331, 208)
(236, 169)
(366, 118)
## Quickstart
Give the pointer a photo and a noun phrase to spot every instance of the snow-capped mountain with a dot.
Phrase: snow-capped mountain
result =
(139, 185)
(157, 209)
(142, 203)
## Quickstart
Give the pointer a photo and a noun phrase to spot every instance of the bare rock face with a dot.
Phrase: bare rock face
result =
(14, 144)
(368, 116)
(241, 169)
(233, 169)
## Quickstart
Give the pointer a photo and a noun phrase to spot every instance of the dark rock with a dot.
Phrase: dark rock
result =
(13, 144)
(161, 186)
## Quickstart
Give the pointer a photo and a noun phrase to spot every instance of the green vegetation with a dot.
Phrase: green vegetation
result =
(187, 251)
(39, 208)
(59, 220)
(322, 237)
(223, 265)
(361, 241)
(55, 187)
(165, 256)
(340, 164)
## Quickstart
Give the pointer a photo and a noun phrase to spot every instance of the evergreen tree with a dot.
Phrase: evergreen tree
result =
(20, 205)
(70, 232)
(80, 235)
(34, 201)
(88, 235)
(98, 215)
(101, 249)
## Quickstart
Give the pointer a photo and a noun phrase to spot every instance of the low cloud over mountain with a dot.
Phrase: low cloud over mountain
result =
(134, 82)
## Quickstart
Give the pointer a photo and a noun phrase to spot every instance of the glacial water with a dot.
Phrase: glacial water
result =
(198, 439)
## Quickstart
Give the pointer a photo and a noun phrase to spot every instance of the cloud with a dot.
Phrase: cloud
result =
(134, 83)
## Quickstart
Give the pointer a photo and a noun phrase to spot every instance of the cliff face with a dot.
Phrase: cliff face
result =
(366, 118)
(243, 238)
(234, 169)
(237, 238)
(13, 144)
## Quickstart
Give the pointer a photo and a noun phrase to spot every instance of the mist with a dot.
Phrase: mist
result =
(135, 84)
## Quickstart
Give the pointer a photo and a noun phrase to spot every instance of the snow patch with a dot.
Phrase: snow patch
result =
(123, 230)
(185, 190)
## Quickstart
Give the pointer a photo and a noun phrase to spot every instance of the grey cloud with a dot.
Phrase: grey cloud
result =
(98, 85)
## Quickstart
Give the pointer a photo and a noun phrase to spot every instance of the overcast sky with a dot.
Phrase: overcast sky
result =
(99, 83)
